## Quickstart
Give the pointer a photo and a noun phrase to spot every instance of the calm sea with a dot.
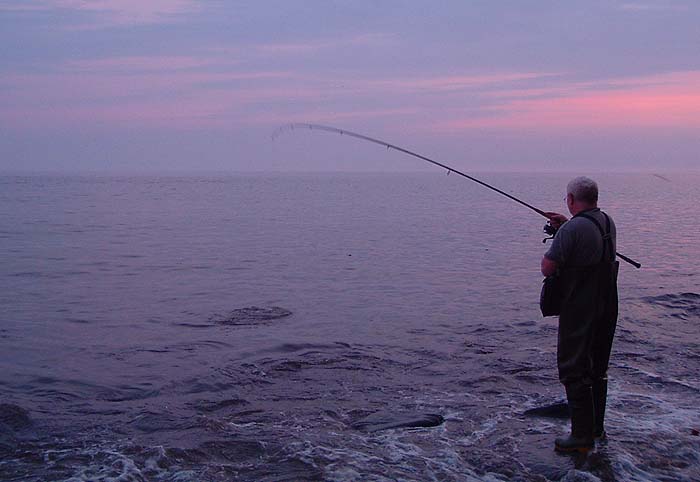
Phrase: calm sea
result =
(142, 334)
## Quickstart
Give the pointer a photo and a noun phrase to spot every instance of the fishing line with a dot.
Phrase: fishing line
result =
(335, 130)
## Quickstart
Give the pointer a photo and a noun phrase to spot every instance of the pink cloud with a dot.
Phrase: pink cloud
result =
(114, 81)
(124, 91)
(184, 113)
(651, 7)
(114, 12)
(671, 100)
(305, 48)
(138, 64)
(215, 89)
(453, 83)
(326, 116)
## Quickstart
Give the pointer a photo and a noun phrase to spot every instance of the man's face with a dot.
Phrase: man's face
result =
(570, 202)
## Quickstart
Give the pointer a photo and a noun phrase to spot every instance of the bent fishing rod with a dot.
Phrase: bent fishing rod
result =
(335, 130)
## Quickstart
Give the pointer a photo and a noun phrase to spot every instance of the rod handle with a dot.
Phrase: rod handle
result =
(630, 261)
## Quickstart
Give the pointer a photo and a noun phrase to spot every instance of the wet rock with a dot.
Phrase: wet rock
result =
(387, 420)
(12, 420)
(284, 469)
(554, 410)
(8, 442)
(681, 305)
(233, 450)
(150, 422)
(14, 417)
(252, 315)
(214, 406)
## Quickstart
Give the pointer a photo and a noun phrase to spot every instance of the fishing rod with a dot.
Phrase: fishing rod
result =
(321, 127)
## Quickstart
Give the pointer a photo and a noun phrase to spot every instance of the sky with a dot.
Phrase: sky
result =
(182, 85)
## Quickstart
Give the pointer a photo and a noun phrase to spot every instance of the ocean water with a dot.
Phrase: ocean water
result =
(238, 327)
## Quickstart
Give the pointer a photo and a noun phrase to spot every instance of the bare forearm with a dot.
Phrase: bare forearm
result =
(548, 266)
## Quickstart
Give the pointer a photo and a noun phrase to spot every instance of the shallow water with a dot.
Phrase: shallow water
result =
(146, 334)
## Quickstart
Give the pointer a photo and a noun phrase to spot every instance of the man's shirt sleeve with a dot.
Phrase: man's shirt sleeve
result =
(561, 245)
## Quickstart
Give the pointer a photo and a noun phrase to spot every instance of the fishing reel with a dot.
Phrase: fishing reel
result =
(549, 230)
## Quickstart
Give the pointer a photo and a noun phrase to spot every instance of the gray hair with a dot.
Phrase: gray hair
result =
(583, 189)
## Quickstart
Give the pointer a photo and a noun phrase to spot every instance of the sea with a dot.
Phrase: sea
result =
(245, 326)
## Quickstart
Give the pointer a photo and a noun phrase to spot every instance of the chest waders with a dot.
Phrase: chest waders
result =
(587, 324)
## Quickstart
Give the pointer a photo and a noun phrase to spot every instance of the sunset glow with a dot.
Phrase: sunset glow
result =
(76, 66)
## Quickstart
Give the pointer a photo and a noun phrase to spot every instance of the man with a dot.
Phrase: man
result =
(582, 256)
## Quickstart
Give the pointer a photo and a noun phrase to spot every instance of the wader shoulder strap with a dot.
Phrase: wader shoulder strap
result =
(607, 236)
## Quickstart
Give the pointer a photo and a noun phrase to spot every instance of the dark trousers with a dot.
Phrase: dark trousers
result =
(587, 323)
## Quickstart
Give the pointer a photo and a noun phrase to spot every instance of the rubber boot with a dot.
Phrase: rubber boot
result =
(600, 395)
(580, 398)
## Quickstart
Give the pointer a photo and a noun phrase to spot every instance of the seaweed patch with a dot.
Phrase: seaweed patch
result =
(252, 315)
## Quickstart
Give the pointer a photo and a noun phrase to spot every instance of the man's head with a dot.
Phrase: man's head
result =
(581, 194)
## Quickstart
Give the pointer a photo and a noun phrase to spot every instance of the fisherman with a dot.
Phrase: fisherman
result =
(582, 256)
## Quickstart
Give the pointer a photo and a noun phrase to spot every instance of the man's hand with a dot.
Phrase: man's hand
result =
(556, 219)
(548, 266)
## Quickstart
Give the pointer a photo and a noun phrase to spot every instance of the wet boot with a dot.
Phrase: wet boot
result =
(580, 399)
(600, 395)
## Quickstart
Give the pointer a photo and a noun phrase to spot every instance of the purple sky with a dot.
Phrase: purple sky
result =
(180, 85)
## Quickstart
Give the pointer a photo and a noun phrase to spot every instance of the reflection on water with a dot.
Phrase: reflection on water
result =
(239, 328)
